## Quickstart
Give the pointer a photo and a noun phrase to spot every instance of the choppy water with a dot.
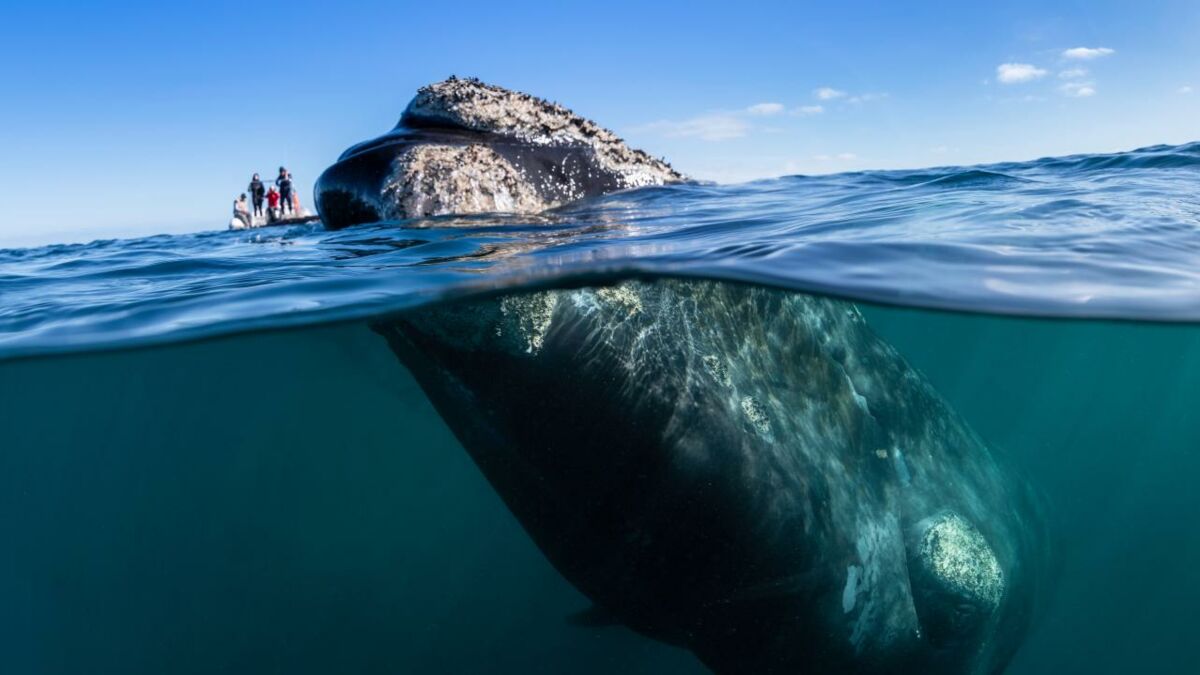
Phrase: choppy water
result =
(254, 483)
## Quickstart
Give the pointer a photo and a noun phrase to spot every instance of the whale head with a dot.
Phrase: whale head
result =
(465, 147)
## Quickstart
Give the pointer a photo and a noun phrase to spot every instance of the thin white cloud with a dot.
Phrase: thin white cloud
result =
(828, 93)
(1015, 73)
(765, 109)
(1073, 73)
(714, 127)
(844, 157)
(1087, 53)
(809, 110)
(1185, 89)
(866, 98)
(1078, 89)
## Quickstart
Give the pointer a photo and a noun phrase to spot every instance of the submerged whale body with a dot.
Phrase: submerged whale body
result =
(747, 473)
(463, 146)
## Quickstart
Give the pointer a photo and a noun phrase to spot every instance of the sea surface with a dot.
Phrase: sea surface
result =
(210, 463)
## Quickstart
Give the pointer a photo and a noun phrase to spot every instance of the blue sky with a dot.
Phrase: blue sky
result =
(149, 117)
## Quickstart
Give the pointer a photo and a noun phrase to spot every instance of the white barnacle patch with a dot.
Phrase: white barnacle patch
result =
(958, 555)
(624, 296)
(529, 317)
(432, 180)
(717, 368)
(756, 414)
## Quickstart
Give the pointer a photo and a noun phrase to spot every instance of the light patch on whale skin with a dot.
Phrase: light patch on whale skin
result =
(529, 317)
(435, 180)
(850, 591)
(717, 368)
(870, 548)
(881, 613)
(483, 107)
(901, 465)
(624, 296)
(958, 555)
(756, 413)
(859, 399)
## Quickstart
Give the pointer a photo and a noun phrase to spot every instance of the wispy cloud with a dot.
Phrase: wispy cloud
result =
(1073, 73)
(828, 93)
(765, 109)
(714, 127)
(1185, 89)
(866, 98)
(1078, 89)
(1015, 73)
(809, 110)
(1087, 53)
(841, 157)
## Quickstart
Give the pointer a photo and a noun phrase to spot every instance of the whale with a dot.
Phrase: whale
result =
(747, 473)
(463, 147)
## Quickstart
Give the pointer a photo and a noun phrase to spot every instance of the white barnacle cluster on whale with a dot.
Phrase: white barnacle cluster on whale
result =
(472, 104)
(463, 146)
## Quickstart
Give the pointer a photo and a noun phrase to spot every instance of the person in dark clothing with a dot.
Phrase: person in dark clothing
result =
(257, 192)
(284, 183)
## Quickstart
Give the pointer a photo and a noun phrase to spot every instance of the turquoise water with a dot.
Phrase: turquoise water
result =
(290, 502)
(210, 462)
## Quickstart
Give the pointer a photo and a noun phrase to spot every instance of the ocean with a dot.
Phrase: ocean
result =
(212, 461)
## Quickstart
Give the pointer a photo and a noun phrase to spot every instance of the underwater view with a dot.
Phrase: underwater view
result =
(891, 421)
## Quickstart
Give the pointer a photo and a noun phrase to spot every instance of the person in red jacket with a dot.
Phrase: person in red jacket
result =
(273, 202)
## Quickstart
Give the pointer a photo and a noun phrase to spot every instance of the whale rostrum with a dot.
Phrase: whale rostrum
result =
(464, 147)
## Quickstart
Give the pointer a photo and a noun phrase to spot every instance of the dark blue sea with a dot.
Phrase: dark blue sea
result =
(210, 462)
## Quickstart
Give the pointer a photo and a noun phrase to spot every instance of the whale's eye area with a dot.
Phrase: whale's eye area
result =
(956, 579)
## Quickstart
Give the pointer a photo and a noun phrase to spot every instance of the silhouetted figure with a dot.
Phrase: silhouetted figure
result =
(257, 192)
(284, 183)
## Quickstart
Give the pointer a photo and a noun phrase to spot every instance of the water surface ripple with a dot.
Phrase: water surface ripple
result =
(1107, 236)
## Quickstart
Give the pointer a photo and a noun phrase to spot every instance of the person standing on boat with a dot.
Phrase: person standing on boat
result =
(273, 203)
(295, 198)
(256, 194)
(284, 183)
(240, 211)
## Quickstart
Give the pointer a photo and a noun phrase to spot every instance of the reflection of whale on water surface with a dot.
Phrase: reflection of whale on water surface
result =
(747, 473)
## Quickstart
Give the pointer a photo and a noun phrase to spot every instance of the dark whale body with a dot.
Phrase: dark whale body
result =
(747, 473)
